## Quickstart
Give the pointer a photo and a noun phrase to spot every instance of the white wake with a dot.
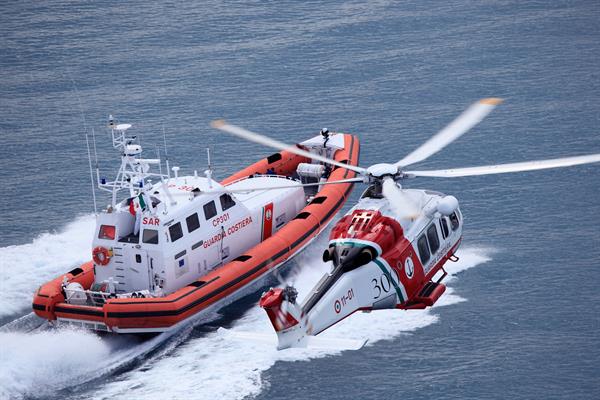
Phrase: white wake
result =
(39, 364)
(213, 367)
(36, 361)
(23, 268)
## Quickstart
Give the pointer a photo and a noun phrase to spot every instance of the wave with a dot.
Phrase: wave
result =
(214, 367)
(23, 268)
(40, 364)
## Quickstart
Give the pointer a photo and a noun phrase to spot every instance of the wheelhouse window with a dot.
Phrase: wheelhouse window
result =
(210, 210)
(150, 236)
(175, 232)
(454, 221)
(423, 249)
(445, 229)
(434, 240)
(107, 232)
(192, 222)
(226, 201)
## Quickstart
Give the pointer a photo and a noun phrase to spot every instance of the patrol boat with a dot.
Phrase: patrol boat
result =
(169, 249)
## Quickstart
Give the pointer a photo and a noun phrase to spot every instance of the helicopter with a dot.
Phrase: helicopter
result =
(389, 250)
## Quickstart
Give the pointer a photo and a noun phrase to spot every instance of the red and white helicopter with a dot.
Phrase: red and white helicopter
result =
(389, 250)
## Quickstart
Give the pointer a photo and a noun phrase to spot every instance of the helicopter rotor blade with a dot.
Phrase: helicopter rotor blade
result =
(462, 124)
(399, 200)
(276, 144)
(513, 167)
(252, 189)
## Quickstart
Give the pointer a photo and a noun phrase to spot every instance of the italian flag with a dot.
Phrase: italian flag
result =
(140, 201)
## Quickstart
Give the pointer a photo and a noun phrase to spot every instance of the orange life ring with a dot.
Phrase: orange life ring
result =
(101, 255)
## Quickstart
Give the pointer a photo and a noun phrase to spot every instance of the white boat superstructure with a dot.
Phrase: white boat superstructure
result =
(174, 230)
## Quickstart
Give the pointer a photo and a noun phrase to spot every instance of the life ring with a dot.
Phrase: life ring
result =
(101, 255)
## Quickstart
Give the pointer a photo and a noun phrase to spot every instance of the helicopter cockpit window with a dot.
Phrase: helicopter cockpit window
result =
(423, 249)
(210, 210)
(445, 229)
(454, 221)
(434, 240)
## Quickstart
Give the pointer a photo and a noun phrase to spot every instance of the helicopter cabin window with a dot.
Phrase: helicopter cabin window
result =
(434, 240)
(226, 201)
(454, 221)
(175, 231)
(107, 232)
(423, 249)
(210, 210)
(192, 222)
(150, 236)
(445, 229)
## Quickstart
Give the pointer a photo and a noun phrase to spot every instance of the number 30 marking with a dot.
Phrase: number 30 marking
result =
(382, 285)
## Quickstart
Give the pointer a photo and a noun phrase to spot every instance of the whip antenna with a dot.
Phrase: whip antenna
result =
(208, 172)
(87, 142)
(166, 154)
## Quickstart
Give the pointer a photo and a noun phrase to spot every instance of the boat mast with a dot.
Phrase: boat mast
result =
(134, 170)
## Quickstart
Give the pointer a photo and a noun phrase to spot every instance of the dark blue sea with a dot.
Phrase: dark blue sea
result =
(521, 317)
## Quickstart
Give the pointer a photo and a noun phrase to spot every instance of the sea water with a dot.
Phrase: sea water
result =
(522, 313)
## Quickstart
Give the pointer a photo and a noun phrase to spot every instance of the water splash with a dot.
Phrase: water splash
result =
(228, 369)
(23, 268)
(39, 364)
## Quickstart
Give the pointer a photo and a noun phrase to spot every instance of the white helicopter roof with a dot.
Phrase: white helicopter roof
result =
(426, 201)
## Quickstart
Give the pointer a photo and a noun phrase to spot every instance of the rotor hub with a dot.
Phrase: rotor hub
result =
(381, 170)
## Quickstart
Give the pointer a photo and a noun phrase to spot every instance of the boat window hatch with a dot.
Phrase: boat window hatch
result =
(192, 222)
(76, 271)
(210, 210)
(175, 232)
(273, 158)
(107, 232)
(318, 200)
(226, 201)
(302, 215)
(150, 236)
